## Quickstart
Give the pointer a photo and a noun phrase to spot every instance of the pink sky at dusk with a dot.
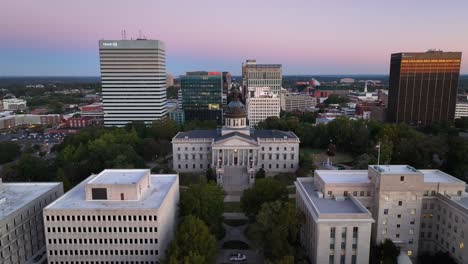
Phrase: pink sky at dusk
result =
(59, 37)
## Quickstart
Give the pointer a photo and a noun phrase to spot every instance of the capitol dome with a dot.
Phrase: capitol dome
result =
(235, 109)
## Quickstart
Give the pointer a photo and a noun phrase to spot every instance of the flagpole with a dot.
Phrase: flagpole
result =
(378, 155)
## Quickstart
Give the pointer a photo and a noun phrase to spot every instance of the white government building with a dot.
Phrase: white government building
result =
(21, 221)
(117, 216)
(236, 152)
(421, 211)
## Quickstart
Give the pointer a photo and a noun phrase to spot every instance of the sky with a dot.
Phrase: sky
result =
(60, 37)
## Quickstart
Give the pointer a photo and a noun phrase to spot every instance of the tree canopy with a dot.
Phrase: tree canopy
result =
(205, 201)
(277, 228)
(9, 151)
(263, 191)
(193, 243)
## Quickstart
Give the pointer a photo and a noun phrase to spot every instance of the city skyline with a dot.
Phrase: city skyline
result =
(307, 37)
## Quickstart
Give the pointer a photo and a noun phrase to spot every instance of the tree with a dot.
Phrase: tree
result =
(260, 174)
(263, 191)
(205, 201)
(277, 227)
(363, 161)
(9, 151)
(193, 243)
(387, 252)
(210, 175)
(164, 129)
(336, 99)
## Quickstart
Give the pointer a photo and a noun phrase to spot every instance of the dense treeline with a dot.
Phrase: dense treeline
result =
(436, 147)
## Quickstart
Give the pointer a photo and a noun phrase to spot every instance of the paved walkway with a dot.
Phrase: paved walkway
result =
(236, 233)
(232, 198)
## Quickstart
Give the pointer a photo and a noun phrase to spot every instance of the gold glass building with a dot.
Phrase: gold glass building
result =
(423, 87)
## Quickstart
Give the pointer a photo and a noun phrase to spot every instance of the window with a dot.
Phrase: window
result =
(332, 232)
(400, 203)
(99, 193)
(402, 178)
(385, 211)
(122, 196)
(331, 259)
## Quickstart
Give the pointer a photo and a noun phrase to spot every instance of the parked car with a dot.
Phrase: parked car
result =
(237, 257)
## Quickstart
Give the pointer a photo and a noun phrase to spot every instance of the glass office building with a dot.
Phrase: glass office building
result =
(423, 87)
(202, 96)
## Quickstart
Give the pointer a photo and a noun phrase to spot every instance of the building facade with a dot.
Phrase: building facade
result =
(423, 87)
(21, 221)
(133, 77)
(14, 104)
(202, 96)
(421, 211)
(291, 102)
(461, 109)
(235, 152)
(261, 104)
(261, 75)
(116, 216)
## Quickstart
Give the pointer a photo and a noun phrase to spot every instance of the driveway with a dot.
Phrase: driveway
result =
(236, 233)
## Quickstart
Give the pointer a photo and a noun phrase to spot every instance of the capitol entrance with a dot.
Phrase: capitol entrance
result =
(235, 179)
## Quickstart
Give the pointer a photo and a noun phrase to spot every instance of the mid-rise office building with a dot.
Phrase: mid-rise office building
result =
(423, 87)
(227, 82)
(261, 75)
(461, 108)
(116, 216)
(202, 96)
(261, 104)
(291, 102)
(169, 80)
(21, 221)
(421, 211)
(14, 104)
(133, 77)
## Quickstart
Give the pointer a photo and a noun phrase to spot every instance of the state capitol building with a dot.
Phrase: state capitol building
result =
(235, 151)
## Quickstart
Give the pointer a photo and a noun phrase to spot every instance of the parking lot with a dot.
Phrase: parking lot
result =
(28, 137)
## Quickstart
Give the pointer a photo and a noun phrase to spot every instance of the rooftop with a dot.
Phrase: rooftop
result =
(153, 198)
(395, 169)
(437, 176)
(214, 134)
(129, 176)
(18, 195)
(344, 176)
(463, 202)
(329, 205)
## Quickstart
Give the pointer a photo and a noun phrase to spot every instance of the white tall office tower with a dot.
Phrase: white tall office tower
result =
(261, 104)
(133, 77)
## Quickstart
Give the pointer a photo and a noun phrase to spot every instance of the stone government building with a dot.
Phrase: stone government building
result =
(236, 152)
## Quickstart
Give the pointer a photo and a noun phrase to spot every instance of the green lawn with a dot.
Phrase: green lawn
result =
(319, 155)
(232, 207)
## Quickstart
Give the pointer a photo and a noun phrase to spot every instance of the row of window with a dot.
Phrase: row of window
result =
(103, 252)
(193, 148)
(102, 262)
(355, 193)
(270, 156)
(331, 259)
(95, 218)
(277, 166)
(101, 229)
(102, 241)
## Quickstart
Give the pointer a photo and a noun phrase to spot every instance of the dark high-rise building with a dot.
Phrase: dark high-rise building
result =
(202, 96)
(423, 87)
(227, 80)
